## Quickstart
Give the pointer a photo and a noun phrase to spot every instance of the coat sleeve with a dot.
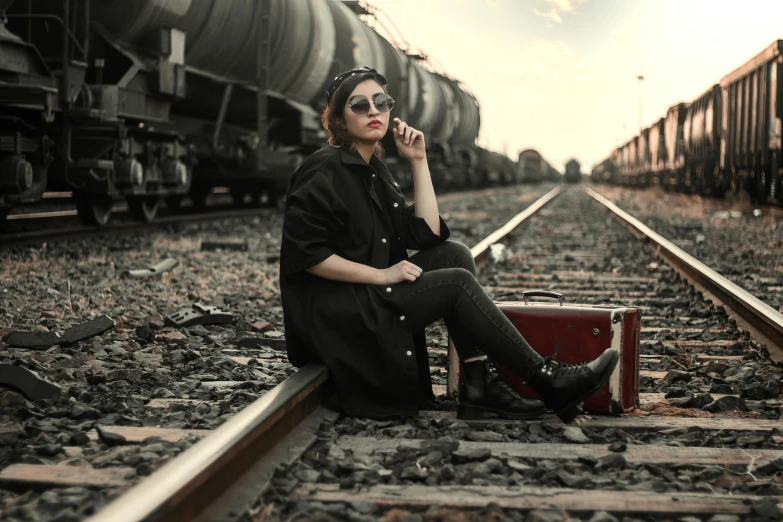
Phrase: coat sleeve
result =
(417, 234)
(311, 216)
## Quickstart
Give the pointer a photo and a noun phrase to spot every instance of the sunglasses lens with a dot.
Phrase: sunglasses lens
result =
(384, 103)
(360, 105)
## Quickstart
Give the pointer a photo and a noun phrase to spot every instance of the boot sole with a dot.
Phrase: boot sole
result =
(472, 412)
(571, 411)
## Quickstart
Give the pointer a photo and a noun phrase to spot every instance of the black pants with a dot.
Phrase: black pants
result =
(448, 289)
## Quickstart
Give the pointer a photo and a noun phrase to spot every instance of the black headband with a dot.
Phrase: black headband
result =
(338, 80)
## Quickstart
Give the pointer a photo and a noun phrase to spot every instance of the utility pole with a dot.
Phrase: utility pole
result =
(641, 79)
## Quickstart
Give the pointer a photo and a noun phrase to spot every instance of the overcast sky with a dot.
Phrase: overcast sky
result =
(560, 76)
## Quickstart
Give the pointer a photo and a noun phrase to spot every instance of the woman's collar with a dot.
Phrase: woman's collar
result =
(351, 156)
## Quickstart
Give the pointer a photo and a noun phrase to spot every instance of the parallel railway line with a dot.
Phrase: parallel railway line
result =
(677, 458)
(54, 225)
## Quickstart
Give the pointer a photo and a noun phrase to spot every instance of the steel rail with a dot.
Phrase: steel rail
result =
(761, 316)
(480, 253)
(187, 485)
(10, 239)
(53, 214)
(191, 483)
(120, 207)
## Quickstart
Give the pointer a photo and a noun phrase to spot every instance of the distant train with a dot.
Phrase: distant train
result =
(573, 172)
(729, 138)
(151, 100)
(533, 168)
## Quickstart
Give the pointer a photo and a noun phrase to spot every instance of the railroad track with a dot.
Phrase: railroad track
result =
(703, 226)
(678, 459)
(63, 224)
(59, 225)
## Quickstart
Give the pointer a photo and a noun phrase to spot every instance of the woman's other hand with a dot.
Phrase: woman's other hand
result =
(409, 141)
(402, 271)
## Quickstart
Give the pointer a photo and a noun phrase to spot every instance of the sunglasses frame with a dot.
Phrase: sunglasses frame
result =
(373, 101)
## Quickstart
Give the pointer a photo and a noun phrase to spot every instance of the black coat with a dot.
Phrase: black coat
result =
(338, 204)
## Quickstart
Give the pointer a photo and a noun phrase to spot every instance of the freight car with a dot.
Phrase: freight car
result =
(729, 138)
(604, 172)
(701, 141)
(533, 168)
(675, 153)
(657, 153)
(159, 100)
(573, 173)
(552, 174)
(752, 109)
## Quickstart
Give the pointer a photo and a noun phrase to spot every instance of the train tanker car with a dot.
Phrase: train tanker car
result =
(150, 100)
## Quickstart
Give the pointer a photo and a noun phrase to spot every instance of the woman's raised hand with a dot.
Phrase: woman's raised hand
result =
(402, 271)
(409, 141)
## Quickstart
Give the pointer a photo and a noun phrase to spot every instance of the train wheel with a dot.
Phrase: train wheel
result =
(734, 185)
(199, 195)
(276, 198)
(244, 197)
(143, 208)
(713, 182)
(690, 183)
(174, 202)
(706, 187)
(758, 187)
(238, 196)
(93, 209)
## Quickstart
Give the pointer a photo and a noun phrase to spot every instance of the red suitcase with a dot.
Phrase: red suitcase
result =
(580, 333)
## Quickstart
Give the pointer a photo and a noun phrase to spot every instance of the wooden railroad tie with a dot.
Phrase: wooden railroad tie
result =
(531, 497)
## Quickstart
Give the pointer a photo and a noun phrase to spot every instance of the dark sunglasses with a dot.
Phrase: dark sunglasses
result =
(360, 105)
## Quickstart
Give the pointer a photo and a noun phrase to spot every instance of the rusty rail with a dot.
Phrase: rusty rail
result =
(763, 318)
(480, 252)
(193, 482)
(189, 484)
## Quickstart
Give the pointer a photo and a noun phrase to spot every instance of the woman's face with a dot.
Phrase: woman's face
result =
(370, 127)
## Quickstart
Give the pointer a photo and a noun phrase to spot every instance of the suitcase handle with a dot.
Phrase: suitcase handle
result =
(542, 293)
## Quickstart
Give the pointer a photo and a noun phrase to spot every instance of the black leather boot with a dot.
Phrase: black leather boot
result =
(565, 386)
(484, 393)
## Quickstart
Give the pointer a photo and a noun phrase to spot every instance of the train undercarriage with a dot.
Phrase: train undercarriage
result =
(105, 127)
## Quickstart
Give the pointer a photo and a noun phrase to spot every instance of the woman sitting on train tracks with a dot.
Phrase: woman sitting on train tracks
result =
(354, 301)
